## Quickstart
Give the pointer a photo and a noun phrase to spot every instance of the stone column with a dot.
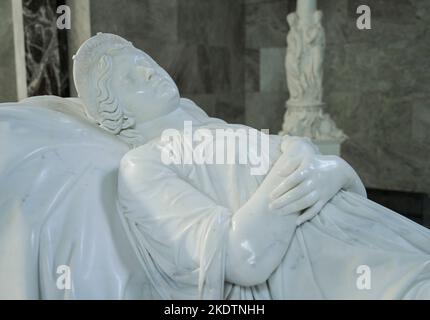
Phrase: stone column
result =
(80, 31)
(13, 83)
(304, 69)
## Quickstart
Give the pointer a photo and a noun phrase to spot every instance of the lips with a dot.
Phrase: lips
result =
(157, 82)
(160, 86)
(163, 88)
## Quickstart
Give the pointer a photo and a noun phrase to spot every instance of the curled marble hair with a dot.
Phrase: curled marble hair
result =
(112, 116)
(92, 73)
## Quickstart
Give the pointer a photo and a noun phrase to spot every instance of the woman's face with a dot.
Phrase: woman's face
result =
(143, 88)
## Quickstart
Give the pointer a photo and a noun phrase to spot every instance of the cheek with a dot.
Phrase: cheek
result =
(135, 90)
(140, 100)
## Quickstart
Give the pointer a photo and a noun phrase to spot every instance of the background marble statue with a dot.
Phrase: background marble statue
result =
(304, 69)
(315, 40)
(197, 231)
(304, 60)
(292, 59)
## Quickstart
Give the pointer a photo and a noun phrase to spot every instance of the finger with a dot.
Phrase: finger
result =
(290, 166)
(301, 162)
(310, 213)
(301, 204)
(284, 196)
(290, 182)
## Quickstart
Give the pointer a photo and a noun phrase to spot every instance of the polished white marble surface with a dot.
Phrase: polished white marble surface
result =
(83, 185)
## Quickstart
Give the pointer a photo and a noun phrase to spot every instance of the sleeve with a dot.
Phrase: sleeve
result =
(178, 232)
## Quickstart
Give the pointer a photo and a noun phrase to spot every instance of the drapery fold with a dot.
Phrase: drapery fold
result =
(177, 218)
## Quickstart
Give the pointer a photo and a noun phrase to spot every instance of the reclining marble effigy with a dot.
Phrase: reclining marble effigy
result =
(84, 185)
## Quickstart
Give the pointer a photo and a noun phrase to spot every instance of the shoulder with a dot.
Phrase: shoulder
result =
(143, 160)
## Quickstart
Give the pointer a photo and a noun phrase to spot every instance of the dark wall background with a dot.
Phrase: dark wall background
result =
(228, 56)
(376, 83)
(199, 42)
(265, 80)
(45, 49)
(377, 88)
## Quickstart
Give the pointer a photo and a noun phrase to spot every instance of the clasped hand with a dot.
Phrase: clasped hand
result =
(309, 179)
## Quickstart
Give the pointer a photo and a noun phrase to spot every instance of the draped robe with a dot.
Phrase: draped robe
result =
(177, 217)
(149, 230)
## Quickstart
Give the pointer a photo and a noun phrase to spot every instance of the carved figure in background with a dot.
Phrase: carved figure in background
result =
(314, 40)
(292, 60)
(304, 67)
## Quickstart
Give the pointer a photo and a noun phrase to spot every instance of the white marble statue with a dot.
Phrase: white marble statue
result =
(84, 188)
(304, 69)
(292, 58)
(314, 42)
(304, 60)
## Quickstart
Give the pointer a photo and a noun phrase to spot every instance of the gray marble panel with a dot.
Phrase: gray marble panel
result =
(376, 88)
(392, 21)
(421, 124)
(265, 24)
(137, 20)
(272, 70)
(199, 42)
(45, 49)
(230, 107)
(252, 70)
(8, 88)
(255, 1)
(265, 110)
(237, 69)
(200, 69)
(227, 106)
(399, 12)
(212, 22)
(380, 145)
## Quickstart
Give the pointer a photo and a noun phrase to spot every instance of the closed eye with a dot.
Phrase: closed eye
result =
(128, 78)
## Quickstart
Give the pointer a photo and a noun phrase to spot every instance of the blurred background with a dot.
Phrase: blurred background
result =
(228, 56)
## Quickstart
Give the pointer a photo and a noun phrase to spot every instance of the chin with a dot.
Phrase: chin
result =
(171, 98)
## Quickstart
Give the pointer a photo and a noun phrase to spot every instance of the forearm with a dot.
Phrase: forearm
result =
(258, 240)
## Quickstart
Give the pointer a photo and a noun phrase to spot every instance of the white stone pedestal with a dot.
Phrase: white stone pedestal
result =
(310, 121)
